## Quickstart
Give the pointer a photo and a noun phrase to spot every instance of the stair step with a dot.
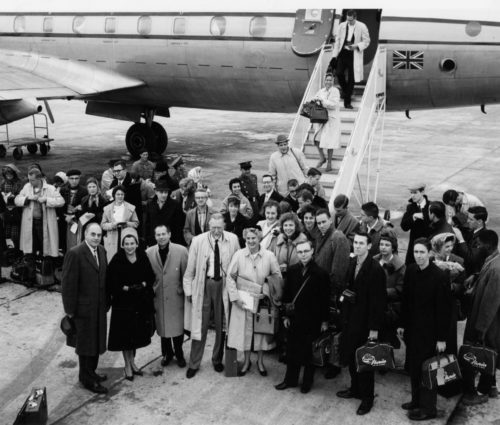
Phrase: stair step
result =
(311, 152)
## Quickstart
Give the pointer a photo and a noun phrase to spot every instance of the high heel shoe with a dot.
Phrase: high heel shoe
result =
(263, 371)
(244, 372)
(127, 377)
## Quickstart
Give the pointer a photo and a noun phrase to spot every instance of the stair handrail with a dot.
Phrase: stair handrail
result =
(360, 137)
(298, 138)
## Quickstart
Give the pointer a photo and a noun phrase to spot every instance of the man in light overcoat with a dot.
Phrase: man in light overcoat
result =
(205, 288)
(169, 261)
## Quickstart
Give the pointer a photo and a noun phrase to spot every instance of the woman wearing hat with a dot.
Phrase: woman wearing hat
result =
(10, 188)
(130, 281)
(117, 216)
(394, 268)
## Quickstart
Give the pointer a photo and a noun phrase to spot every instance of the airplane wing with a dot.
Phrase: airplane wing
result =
(30, 75)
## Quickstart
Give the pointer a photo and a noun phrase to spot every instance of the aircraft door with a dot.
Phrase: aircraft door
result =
(313, 28)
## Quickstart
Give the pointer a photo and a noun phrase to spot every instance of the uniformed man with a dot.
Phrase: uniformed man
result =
(249, 186)
(180, 169)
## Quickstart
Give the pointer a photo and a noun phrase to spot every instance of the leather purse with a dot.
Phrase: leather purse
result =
(321, 349)
(374, 356)
(478, 357)
(319, 114)
(266, 320)
(440, 370)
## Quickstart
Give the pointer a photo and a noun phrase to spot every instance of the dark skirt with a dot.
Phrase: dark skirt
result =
(130, 329)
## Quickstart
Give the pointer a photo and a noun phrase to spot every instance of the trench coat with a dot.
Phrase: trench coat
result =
(418, 228)
(484, 320)
(169, 298)
(196, 273)
(50, 229)
(111, 239)
(361, 41)
(328, 133)
(84, 296)
(259, 269)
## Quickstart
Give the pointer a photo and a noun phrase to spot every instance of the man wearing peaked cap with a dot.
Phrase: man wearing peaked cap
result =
(286, 163)
(180, 169)
(249, 186)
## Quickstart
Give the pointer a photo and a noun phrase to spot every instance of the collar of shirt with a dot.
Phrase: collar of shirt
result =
(92, 250)
(369, 228)
(255, 254)
(422, 203)
(212, 239)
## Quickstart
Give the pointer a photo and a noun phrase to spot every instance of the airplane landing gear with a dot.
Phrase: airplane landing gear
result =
(140, 136)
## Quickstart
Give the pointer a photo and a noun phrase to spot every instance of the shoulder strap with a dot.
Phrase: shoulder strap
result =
(300, 290)
(296, 159)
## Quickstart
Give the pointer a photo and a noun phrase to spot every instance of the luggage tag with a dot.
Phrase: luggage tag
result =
(440, 376)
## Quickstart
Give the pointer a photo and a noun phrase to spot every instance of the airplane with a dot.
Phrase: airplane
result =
(133, 63)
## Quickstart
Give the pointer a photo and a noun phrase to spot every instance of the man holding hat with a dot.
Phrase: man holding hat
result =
(143, 166)
(287, 163)
(72, 193)
(249, 186)
(416, 218)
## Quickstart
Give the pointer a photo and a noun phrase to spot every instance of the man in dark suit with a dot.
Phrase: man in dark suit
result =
(363, 317)
(269, 193)
(307, 288)
(85, 302)
(416, 218)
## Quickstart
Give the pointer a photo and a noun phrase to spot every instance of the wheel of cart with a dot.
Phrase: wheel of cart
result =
(32, 148)
(3, 151)
(44, 149)
(18, 153)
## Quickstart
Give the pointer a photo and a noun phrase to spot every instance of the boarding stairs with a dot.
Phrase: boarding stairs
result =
(358, 159)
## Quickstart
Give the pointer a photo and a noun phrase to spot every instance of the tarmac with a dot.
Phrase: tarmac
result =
(454, 148)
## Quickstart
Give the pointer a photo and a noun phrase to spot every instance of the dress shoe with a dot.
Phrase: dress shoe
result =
(190, 373)
(420, 415)
(348, 106)
(263, 371)
(181, 362)
(320, 163)
(128, 377)
(219, 367)
(364, 407)
(243, 371)
(474, 399)
(283, 386)
(411, 405)
(347, 394)
(101, 378)
(305, 388)
(166, 360)
(97, 388)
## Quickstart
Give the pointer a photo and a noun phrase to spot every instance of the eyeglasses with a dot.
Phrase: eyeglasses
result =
(117, 171)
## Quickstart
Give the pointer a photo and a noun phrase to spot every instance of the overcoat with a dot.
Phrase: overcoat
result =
(50, 230)
(311, 310)
(132, 310)
(84, 296)
(367, 313)
(263, 269)
(426, 312)
(347, 224)
(111, 239)
(418, 228)
(190, 223)
(237, 226)
(170, 214)
(329, 132)
(485, 315)
(169, 298)
(196, 273)
(361, 41)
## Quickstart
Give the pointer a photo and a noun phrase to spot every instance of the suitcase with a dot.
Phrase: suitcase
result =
(321, 349)
(440, 370)
(44, 273)
(478, 357)
(374, 356)
(34, 410)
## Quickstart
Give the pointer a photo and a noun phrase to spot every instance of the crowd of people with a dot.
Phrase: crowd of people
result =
(150, 245)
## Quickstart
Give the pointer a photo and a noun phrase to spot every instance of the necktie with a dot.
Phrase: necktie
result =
(96, 257)
(216, 261)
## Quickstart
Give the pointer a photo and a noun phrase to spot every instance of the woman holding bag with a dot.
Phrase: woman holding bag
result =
(327, 135)
(255, 269)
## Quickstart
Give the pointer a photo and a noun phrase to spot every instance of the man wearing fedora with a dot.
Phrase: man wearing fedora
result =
(285, 164)
(85, 303)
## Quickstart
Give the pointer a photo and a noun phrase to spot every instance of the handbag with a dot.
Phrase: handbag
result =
(289, 308)
(440, 370)
(374, 356)
(319, 114)
(321, 349)
(34, 409)
(478, 357)
(266, 320)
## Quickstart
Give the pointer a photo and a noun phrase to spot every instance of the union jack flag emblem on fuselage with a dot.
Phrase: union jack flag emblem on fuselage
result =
(407, 59)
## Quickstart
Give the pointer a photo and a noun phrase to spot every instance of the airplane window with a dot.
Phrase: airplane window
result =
(20, 24)
(144, 25)
(179, 26)
(110, 25)
(78, 23)
(258, 26)
(48, 24)
(218, 25)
